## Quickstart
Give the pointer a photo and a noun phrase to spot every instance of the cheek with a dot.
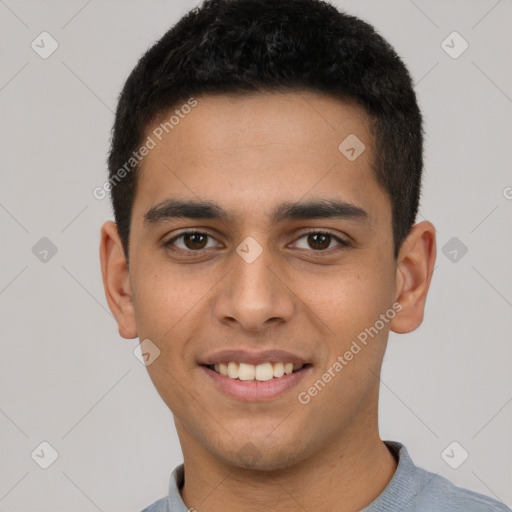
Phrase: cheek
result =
(163, 301)
(168, 309)
(346, 300)
(351, 303)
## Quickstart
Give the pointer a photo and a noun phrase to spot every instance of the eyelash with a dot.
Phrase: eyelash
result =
(169, 243)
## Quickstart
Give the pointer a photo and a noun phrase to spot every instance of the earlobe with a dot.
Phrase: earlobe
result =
(116, 280)
(415, 265)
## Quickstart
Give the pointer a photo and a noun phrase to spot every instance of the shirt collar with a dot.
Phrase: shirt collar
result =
(175, 485)
(402, 489)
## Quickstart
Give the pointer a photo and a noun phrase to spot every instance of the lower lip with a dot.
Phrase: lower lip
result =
(255, 390)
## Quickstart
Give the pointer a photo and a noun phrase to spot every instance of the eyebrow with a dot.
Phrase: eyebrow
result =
(201, 209)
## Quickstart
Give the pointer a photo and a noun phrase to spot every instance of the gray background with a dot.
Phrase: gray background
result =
(69, 379)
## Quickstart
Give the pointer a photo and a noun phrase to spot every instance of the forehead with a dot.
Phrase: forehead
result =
(304, 121)
(251, 152)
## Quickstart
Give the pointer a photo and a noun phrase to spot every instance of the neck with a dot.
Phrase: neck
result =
(351, 472)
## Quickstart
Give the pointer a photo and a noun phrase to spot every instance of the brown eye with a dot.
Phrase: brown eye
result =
(195, 241)
(319, 241)
(192, 241)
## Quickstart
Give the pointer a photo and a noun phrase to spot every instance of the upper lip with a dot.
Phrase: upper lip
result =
(255, 358)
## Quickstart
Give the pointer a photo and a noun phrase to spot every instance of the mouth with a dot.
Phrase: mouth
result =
(255, 382)
(261, 372)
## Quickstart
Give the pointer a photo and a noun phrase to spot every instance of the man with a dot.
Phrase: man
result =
(265, 174)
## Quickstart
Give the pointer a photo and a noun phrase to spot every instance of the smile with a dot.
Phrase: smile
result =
(261, 372)
(255, 383)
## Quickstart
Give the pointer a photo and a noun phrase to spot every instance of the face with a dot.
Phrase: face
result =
(257, 242)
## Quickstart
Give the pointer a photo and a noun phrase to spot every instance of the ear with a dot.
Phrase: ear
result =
(415, 265)
(116, 281)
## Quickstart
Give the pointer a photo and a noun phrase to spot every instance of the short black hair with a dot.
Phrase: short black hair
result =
(243, 46)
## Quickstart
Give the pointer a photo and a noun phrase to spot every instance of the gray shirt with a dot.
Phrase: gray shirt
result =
(411, 489)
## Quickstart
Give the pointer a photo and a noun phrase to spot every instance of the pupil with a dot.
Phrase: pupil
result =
(319, 240)
(194, 239)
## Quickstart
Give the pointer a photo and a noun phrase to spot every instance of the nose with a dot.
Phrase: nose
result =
(254, 295)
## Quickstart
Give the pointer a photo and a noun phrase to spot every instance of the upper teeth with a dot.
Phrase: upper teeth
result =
(261, 372)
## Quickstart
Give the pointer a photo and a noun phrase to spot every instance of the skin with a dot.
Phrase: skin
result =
(249, 154)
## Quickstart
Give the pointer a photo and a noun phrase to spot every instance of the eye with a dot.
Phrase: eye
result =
(320, 240)
(196, 241)
(190, 241)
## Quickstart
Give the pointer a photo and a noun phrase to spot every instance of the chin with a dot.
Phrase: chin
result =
(263, 455)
